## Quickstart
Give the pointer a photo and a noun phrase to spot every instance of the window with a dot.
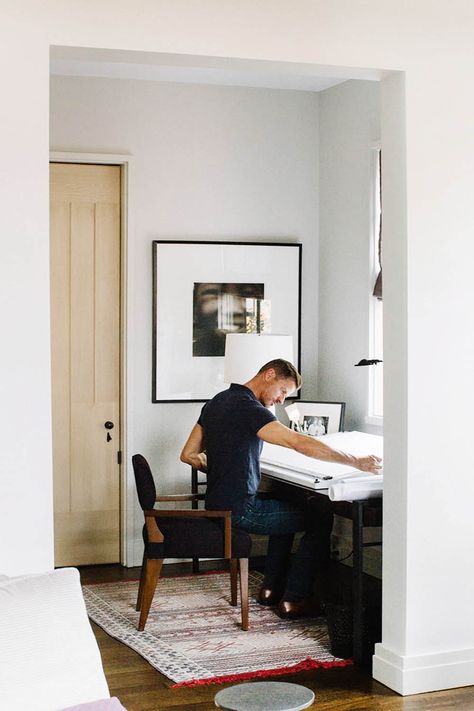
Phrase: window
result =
(375, 400)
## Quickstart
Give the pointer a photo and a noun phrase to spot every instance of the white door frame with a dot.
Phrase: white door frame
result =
(126, 352)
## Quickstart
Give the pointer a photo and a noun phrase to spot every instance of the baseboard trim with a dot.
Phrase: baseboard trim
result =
(423, 673)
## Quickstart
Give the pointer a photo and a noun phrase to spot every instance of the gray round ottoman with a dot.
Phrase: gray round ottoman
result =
(265, 696)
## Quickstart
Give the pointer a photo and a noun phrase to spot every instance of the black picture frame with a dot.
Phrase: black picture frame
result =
(310, 412)
(178, 265)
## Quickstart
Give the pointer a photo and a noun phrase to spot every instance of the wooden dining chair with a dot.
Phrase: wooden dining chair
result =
(186, 533)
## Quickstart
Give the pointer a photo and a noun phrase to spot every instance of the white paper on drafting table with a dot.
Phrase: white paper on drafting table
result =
(290, 466)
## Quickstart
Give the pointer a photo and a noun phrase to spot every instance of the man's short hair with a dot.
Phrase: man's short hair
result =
(283, 369)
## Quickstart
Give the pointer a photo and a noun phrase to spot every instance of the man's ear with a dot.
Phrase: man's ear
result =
(269, 375)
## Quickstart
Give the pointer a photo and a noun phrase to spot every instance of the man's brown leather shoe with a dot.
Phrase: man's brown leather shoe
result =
(290, 610)
(269, 596)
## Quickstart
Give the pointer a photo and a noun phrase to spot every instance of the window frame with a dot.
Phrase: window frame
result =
(375, 373)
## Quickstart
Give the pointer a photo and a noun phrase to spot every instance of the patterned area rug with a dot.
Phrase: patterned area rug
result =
(193, 634)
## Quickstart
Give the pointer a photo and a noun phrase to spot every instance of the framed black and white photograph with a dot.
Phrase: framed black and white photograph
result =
(316, 418)
(203, 291)
(219, 309)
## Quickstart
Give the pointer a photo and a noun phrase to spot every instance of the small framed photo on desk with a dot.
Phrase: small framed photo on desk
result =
(316, 418)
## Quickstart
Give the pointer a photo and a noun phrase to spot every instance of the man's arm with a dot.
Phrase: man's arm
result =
(193, 449)
(276, 433)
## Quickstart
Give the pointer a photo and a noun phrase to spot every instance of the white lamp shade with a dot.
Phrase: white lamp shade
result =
(245, 353)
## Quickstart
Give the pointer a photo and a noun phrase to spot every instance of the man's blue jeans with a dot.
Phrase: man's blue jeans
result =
(281, 520)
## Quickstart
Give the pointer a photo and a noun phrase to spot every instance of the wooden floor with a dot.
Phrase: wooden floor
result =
(141, 688)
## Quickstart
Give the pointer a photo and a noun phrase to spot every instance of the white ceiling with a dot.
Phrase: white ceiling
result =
(121, 64)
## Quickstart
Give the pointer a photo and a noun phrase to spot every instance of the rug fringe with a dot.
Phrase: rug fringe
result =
(168, 577)
(305, 665)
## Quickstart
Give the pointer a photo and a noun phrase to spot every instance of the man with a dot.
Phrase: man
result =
(227, 440)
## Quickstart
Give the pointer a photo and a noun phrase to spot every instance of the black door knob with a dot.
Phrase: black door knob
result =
(109, 425)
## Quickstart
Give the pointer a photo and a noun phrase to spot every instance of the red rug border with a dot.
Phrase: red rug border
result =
(306, 665)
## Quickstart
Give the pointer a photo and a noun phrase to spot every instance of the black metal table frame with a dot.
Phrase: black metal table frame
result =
(358, 545)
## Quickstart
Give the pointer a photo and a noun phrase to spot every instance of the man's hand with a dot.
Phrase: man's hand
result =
(202, 459)
(371, 463)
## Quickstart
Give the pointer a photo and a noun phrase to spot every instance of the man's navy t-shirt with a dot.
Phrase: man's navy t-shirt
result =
(231, 421)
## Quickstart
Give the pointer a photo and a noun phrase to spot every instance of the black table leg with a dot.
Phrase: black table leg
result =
(357, 581)
(194, 505)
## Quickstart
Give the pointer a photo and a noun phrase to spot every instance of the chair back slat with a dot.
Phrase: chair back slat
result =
(146, 489)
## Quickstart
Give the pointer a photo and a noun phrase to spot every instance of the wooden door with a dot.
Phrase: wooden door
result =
(85, 313)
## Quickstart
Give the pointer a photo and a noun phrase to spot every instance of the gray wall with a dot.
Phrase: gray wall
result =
(349, 126)
(208, 163)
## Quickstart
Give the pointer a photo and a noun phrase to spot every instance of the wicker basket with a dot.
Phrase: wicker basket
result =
(339, 619)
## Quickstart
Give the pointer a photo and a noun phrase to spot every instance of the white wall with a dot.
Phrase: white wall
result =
(349, 128)
(208, 163)
(428, 640)
(26, 500)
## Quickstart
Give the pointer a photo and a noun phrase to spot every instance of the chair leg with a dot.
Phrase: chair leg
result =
(233, 581)
(153, 569)
(244, 591)
(142, 583)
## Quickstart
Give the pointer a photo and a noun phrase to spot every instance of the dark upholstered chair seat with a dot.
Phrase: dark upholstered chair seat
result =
(202, 538)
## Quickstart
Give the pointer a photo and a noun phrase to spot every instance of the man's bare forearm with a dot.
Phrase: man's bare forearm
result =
(276, 433)
(318, 450)
(193, 453)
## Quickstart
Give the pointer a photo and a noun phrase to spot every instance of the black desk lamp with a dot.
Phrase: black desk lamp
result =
(364, 361)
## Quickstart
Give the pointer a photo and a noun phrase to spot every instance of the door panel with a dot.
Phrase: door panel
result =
(85, 308)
